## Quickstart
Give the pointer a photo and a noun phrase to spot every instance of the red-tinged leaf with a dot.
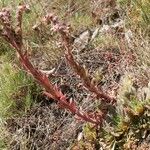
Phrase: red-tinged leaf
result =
(78, 118)
(48, 95)
(56, 88)
(63, 98)
(72, 103)
(45, 79)
(60, 105)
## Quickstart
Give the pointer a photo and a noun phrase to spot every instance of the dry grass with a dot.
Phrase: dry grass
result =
(117, 61)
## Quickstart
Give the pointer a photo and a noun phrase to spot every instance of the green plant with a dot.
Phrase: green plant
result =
(15, 91)
(124, 120)
(127, 130)
(137, 11)
(15, 38)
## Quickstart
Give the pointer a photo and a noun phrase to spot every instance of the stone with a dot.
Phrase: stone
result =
(82, 41)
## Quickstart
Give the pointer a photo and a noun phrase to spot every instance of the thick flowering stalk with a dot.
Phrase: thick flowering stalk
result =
(64, 31)
(14, 38)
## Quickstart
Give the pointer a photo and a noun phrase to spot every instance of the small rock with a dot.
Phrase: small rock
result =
(48, 72)
(81, 42)
(95, 33)
(80, 135)
(104, 29)
(128, 36)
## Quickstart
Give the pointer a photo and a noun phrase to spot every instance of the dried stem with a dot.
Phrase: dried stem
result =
(63, 30)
